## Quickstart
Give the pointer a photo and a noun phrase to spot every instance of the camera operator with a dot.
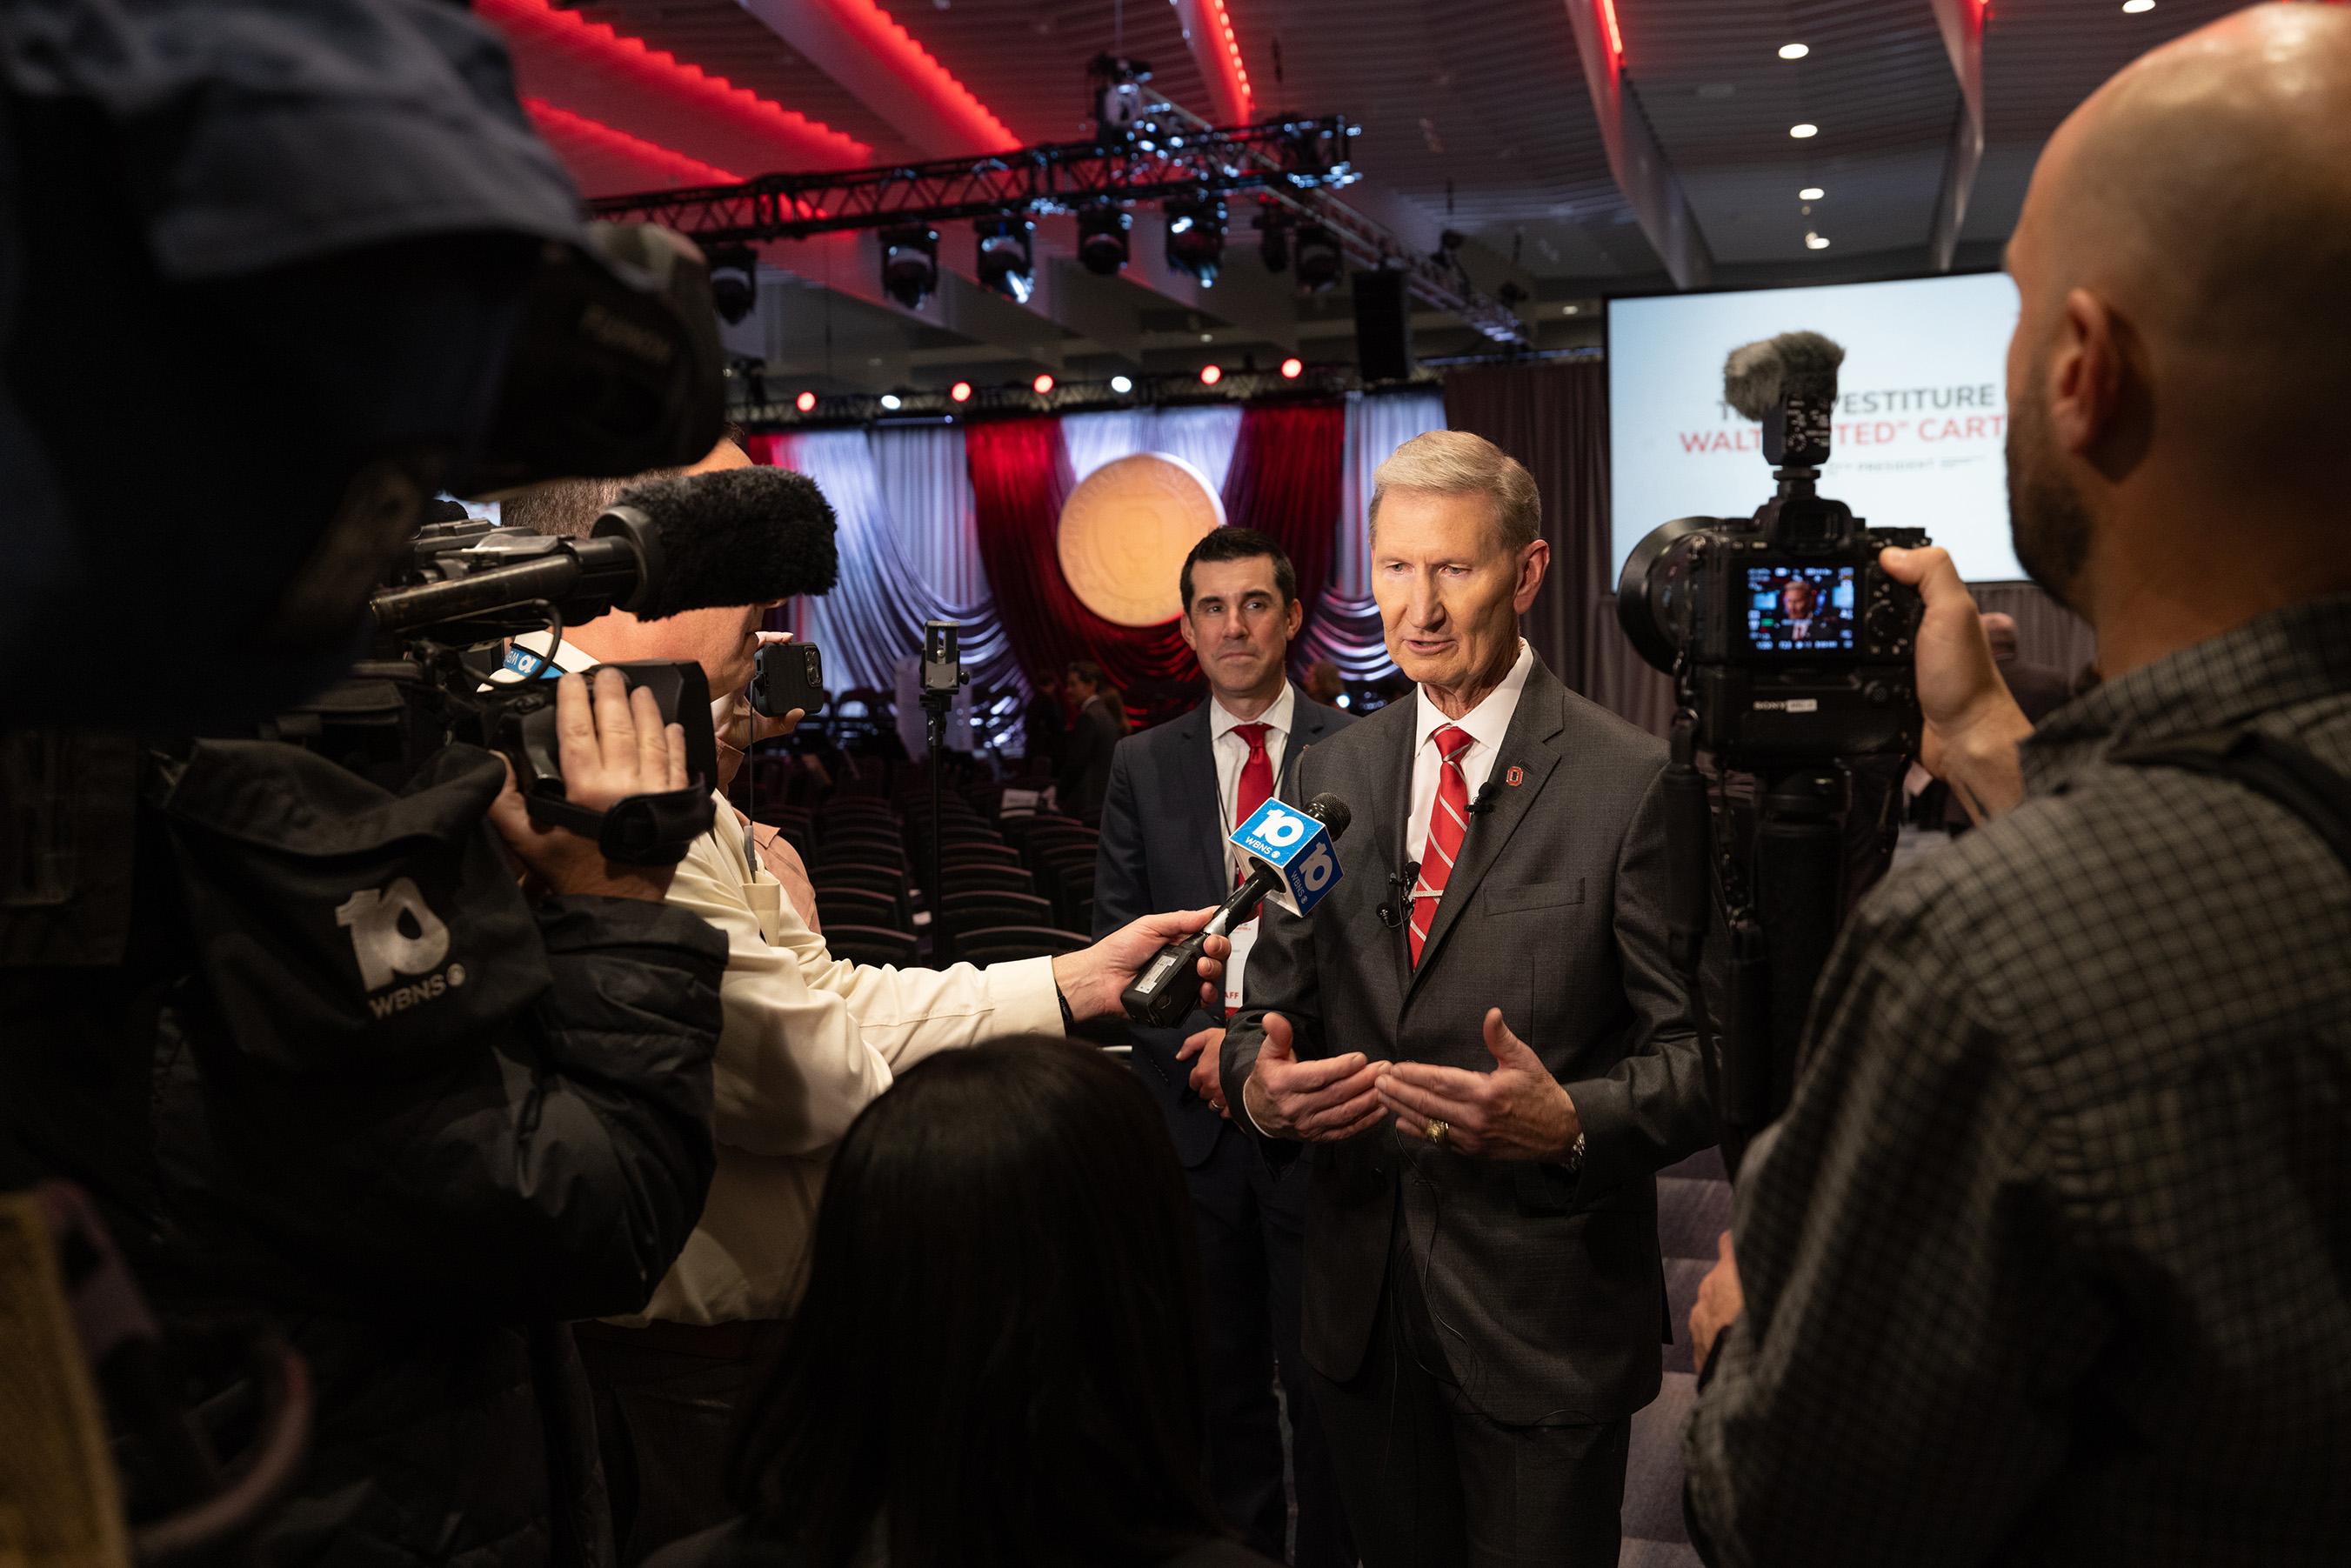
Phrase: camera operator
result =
(809, 1041)
(499, 1123)
(2050, 1257)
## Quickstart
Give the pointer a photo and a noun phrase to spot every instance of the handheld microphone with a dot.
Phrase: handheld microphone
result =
(1291, 863)
(698, 541)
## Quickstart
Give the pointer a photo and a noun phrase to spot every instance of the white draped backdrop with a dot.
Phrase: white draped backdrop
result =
(909, 551)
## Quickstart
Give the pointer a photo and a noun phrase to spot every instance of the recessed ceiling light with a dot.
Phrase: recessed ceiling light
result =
(2133, 7)
(1572, 310)
(1798, 51)
(1121, 386)
(1816, 242)
(1207, 337)
(893, 401)
(1811, 193)
(1801, 131)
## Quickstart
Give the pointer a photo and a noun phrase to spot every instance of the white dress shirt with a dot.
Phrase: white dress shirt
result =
(1232, 756)
(808, 1041)
(1485, 724)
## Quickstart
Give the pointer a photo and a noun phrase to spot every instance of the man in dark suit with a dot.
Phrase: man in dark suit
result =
(1085, 754)
(1481, 1041)
(1176, 794)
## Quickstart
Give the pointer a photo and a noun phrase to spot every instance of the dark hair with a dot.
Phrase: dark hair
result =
(570, 507)
(999, 1357)
(1240, 544)
(1086, 670)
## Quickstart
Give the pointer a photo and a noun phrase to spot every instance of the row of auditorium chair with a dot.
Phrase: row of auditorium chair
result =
(1015, 887)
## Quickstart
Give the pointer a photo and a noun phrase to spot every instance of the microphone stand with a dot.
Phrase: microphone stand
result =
(935, 704)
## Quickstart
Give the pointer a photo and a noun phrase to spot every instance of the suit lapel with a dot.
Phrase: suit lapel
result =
(1530, 745)
(1306, 728)
(1196, 767)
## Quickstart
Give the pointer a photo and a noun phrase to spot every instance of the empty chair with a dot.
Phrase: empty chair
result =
(869, 944)
(961, 912)
(1003, 944)
(855, 906)
(972, 852)
(955, 879)
(1071, 889)
(872, 849)
(873, 876)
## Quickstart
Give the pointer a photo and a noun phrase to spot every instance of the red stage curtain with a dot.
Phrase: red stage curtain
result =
(1019, 480)
(1284, 481)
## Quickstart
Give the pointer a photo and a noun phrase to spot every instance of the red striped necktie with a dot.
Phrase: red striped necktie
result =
(1449, 820)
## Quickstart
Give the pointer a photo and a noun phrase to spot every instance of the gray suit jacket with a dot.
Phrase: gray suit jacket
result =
(1162, 848)
(1547, 1289)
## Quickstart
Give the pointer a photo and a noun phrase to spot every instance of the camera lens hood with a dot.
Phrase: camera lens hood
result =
(1651, 591)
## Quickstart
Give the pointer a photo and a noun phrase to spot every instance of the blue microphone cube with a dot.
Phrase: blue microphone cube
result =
(1293, 844)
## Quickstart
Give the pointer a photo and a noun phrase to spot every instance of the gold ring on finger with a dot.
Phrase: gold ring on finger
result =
(1437, 1131)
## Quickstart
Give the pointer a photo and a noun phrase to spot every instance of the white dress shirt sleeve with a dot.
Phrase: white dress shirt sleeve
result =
(809, 1041)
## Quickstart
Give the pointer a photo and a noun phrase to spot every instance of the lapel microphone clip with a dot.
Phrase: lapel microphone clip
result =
(1400, 888)
(1485, 801)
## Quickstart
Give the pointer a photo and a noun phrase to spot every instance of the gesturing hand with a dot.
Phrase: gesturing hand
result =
(1208, 1046)
(1720, 1302)
(609, 750)
(1321, 1101)
(1517, 1112)
(1973, 725)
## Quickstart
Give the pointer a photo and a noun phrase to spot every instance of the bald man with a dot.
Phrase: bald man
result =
(2050, 1260)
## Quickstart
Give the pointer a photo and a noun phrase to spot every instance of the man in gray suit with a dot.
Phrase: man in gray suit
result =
(1481, 1035)
(1176, 794)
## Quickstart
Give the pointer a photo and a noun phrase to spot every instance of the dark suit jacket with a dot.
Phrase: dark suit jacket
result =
(1547, 1289)
(1085, 756)
(1162, 847)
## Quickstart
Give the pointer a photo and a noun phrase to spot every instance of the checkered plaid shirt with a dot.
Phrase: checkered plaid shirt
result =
(2050, 1260)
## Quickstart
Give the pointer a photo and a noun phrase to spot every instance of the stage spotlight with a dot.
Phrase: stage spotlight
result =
(805, 402)
(1211, 374)
(960, 392)
(1007, 259)
(910, 264)
(1320, 262)
(1195, 236)
(893, 403)
(1042, 384)
(1121, 386)
(1292, 368)
(1101, 237)
(734, 281)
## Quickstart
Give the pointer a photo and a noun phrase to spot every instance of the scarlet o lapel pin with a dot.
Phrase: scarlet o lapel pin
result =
(1515, 777)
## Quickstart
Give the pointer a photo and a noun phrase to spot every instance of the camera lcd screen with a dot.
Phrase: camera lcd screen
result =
(1799, 609)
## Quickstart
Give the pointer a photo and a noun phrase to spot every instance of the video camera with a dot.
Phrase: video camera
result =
(737, 536)
(1784, 637)
(1790, 652)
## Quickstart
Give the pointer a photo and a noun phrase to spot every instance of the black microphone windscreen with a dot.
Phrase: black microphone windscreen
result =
(736, 536)
(1757, 376)
(1330, 811)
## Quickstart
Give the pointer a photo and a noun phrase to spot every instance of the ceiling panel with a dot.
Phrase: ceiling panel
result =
(1473, 111)
(2042, 58)
(724, 40)
(1877, 83)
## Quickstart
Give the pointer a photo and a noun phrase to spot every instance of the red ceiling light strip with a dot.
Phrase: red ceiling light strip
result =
(662, 69)
(560, 125)
(881, 33)
(1608, 19)
(1229, 49)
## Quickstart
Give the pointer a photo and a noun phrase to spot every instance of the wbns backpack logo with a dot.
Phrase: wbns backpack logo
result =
(394, 933)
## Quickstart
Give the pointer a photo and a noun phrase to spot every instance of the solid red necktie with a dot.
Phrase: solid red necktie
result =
(1449, 820)
(1256, 786)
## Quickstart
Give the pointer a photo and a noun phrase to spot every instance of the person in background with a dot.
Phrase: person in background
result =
(2039, 690)
(2049, 1260)
(1322, 682)
(809, 1041)
(1099, 720)
(995, 1365)
(1176, 794)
